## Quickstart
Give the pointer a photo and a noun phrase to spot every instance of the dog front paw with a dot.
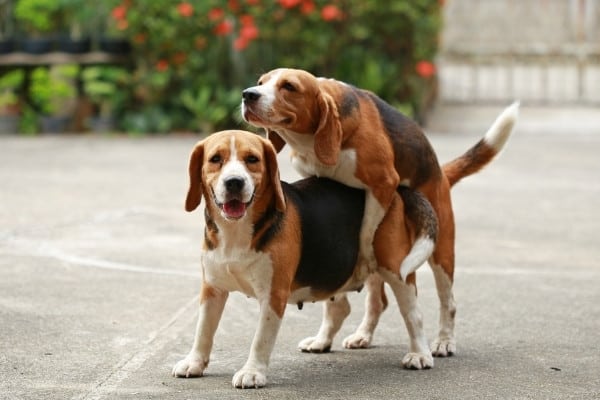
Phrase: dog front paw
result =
(191, 366)
(249, 378)
(315, 345)
(417, 361)
(443, 347)
(358, 340)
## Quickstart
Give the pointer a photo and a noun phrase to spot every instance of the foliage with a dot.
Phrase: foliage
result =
(106, 87)
(38, 16)
(10, 83)
(51, 88)
(193, 57)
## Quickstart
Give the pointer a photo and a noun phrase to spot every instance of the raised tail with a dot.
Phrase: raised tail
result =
(486, 149)
(421, 214)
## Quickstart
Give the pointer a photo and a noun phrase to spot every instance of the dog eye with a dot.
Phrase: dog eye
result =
(215, 159)
(289, 87)
(252, 160)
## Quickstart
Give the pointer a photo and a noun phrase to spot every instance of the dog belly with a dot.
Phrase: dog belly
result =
(331, 215)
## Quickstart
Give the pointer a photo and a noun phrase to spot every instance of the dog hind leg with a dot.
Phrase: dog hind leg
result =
(375, 304)
(335, 312)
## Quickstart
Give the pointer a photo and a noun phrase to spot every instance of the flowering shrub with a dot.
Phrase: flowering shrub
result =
(193, 57)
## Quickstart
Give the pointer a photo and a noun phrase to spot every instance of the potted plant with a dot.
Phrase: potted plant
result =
(105, 87)
(10, 84)
(39, 19)
(7, 41)
(79, 20)
(53, 94)
(113, 39)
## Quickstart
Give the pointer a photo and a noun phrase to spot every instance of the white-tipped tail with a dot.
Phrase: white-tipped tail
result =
(419, 253)
(501, 129)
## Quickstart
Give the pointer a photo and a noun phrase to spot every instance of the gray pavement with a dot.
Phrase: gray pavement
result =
(99, 277)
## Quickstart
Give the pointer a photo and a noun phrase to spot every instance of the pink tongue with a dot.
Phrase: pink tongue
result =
(234, 209)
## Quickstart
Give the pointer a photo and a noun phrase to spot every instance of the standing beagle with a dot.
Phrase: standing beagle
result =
(290, 243)
(350, 135)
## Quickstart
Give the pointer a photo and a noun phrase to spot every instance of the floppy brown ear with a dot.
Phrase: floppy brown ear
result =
(275, 140)
(328, 137)
(273, 172)
(194, 195)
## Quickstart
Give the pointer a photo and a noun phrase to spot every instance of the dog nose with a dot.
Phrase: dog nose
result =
(250, 95)
(234, 184)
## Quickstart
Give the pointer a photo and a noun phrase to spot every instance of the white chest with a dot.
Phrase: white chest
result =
(306, 163)
(249, 272)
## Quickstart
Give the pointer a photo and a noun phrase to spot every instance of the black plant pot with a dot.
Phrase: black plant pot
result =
(102, 124)
(37, 45)
(54, 124)
(7, 46)
(114, 46)
(74, 46)
(9, 124)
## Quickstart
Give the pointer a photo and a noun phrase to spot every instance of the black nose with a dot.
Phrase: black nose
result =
(250, 95)
(234, 184)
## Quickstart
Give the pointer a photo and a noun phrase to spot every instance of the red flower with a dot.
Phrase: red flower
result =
(224, 28)
(162, 65)
(289, 3)
(233, 5)
(308, 6)
(425, 69)
(216, 14)
(240, 43)
(119, 12)
(247, 20)
(249, 32)
(185, 9)
(331, 12)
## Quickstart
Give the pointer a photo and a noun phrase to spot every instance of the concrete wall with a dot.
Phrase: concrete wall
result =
(539, 51)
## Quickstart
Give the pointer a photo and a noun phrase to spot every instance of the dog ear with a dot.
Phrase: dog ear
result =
(328, 137)
(273, 172)
(275, 140)
(194, 195)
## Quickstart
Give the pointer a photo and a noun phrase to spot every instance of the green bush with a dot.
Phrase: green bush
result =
(192, 58)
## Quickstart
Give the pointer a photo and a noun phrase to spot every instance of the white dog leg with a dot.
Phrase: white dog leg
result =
(211, 309)
(419, 356)
(374, 306)
(254, 373)
(334, 313)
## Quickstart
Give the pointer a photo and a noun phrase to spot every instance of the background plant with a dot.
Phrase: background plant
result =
(192, 58)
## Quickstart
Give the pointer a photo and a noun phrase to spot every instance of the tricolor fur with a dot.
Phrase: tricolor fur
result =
(288, 243)
(351, 135)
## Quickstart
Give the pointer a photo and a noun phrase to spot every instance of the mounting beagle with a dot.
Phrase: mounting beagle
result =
(290, 243)
(352, 136)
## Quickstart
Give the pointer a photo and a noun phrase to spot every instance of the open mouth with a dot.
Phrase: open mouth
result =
(234, 209)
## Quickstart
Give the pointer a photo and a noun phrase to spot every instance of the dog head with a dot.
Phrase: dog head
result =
(291, 100)
(235, 171)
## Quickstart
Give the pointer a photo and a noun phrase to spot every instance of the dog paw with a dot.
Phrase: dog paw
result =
(417, 361)
(315, 345)
(443, 347)
(249, 378)
(191, 366)
(358, 340)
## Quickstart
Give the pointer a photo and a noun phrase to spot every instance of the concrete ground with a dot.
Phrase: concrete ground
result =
(99, 276)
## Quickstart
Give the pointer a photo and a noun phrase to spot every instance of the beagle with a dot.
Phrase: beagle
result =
(352, 136)
(290, 243)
